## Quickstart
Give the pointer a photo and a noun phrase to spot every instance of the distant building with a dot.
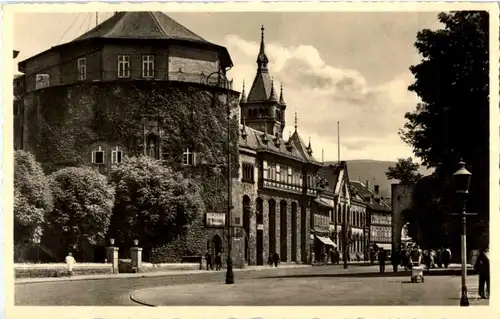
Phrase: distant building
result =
(379, 215)
(349, 210)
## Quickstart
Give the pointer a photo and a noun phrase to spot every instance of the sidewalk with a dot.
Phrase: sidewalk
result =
(149, 274)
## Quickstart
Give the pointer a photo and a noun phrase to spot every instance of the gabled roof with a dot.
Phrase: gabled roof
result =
(145, 25)
(255, 141)
(363, 191)
(301, 146)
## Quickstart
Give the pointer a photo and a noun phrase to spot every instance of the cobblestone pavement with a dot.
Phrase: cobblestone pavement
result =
(326, 285)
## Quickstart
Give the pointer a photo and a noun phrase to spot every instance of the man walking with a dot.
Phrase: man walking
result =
(218, 261)
(382, 256)
(396, 260)
(482, 266)
(70, 262)
(208, 257)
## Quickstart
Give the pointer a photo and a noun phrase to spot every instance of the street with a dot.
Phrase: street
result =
(310, 286)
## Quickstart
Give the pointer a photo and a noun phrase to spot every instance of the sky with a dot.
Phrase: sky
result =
(351, 67)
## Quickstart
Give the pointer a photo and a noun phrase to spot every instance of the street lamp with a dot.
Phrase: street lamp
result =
(37, 241)
(462, 179)
(229, 272)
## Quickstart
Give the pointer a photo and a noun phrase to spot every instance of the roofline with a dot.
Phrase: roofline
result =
(220, 49)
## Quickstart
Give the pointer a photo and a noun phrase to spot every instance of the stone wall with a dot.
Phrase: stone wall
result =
(402, 196)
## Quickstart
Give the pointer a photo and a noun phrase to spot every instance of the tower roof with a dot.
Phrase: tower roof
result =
(261, 88)
(144, 25)
(282, 99)
(140, 26)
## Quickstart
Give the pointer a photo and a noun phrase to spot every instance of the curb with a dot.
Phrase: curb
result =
(136, 300)
(23, 281)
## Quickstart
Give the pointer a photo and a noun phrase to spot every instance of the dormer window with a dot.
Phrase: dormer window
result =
(148, 66)
(82, 69)
(98, 155)
(189, 157)
(116, 155)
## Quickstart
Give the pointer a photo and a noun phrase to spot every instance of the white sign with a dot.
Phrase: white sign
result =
(260, 227)
(42, 81)
(216, 219)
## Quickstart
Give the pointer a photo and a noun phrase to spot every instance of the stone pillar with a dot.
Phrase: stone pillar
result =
(252, 237)
(298, 230)
(289, 232)
(112, 257)
(136, 258)
(278, 227)
(265, 232)
(308, 230)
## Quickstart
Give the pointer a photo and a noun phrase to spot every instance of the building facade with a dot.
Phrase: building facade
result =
(379, 216)
(347, 226)
(278, 182)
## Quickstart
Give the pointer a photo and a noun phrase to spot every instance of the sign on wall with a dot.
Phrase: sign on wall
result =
(216, 220)
(42, 81)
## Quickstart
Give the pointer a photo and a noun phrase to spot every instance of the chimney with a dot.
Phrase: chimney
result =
(377, 187)
(367, 184)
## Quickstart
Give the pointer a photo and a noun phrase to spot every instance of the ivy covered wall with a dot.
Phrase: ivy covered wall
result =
(63, 123)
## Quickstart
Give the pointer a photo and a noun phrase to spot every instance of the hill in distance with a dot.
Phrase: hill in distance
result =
(374, 172)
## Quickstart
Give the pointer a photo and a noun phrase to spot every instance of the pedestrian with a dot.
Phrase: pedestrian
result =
(415, 257)
(404, 259)
(439, 257)
(382, 256)
(446, 257)
(208, 257)
(372, 257)
(427, 259)
(218, 261)
(70, 263)
(276, 259)
(332, 255)
(270, 260)
(482, 267)
(396, 260)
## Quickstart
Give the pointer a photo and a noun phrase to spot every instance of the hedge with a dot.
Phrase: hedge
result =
(60, 270)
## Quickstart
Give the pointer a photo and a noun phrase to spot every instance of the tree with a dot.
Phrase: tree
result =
(32, 198)
(83, 203)
(153, 203)
(450, 124)
(405, 171)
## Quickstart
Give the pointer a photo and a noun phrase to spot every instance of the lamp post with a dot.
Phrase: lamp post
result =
(462, 179)
(229, 272)
(37, 241)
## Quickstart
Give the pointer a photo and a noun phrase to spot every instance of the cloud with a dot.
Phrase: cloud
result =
(322, 94)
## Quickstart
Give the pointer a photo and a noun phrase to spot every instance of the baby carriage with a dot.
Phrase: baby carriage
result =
(417, 271)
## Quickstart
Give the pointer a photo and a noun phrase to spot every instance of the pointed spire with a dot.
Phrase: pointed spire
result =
(309, 148)
(244, 130)
(295, 120)
(243, 94)
(262, 58)
(272, 96)
(282, 99)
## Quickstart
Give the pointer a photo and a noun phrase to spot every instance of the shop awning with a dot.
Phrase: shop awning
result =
(327, 241)
(385, 246)
(323, 203)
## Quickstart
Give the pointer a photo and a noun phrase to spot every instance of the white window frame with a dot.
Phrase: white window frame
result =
(93, 157)
(185, 157)
(148, 66)
(114, 155)
(82, 68)
(123, 66)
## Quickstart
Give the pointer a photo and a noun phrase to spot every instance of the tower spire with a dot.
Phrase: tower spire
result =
(272, 96)
(262, 59)
(243, 94)
(295, 120)
(282, 99)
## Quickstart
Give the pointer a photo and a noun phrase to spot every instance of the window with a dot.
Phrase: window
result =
(189, 157)
(82, 68)
(116, 155)
(148, 66)
(284, 174)
(123, 66)
(290, 176)
(98, 156)
(248, 173)
(278, 172)
(265, 168)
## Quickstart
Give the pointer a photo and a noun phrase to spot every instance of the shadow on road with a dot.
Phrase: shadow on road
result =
(447, 272)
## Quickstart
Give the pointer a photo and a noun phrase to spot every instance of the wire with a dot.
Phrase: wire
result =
(83, 23)
(71, 25)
